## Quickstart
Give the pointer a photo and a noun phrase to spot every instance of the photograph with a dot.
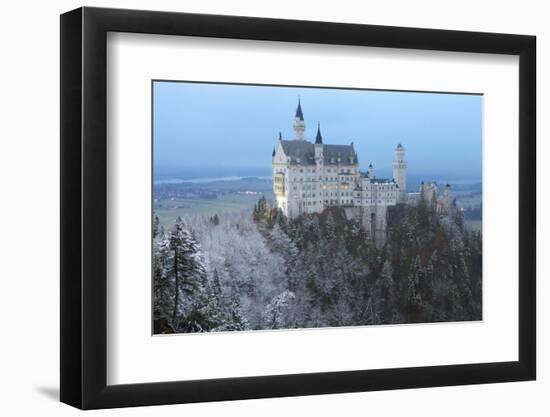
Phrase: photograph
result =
(289, 207)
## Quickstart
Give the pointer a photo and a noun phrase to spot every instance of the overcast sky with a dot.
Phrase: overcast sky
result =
(232, 129)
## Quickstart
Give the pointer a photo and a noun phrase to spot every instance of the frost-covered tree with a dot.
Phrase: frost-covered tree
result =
(330, 227)
(261, 270)
(281, 243)
(277, 312)
(236, 320)
(156, 227)
(179, 279)
(413, 294)
(188, 270)
(163, 284)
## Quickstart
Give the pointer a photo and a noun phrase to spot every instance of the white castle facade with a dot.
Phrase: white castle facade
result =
(310, 176)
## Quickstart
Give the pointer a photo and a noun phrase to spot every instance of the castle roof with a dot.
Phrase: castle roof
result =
(299, 114)
(319, 138)
(304, 151)
(365, 176)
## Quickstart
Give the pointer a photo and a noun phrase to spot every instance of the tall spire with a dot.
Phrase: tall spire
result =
(319, 138)
(299, 114)
(299, 124)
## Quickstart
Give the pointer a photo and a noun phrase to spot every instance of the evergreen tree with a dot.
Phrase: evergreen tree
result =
(330, 227)
(388, 291)
(162, 280)
(283, 245)
(189, 275)
(276, 314)
(214, 309)
(156, 227)
(215, 220)
(414, 297)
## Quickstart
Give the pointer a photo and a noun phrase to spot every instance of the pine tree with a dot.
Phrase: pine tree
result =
(156, 227)
(414, 297)
(235, 320)
(388, 291)
(276, 312)
(214, 309)
(162, 280)
(189, 275)
(330, 227)
(280, 243)
(215, 220)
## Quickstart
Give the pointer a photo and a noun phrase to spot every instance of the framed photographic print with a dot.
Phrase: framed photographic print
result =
(258, 207)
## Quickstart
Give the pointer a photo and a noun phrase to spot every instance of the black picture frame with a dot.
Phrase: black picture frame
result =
(84, 207)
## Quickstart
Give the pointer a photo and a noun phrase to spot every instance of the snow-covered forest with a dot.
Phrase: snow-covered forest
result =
(257, 270)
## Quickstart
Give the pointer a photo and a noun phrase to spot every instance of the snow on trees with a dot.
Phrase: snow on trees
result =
(260, 270)
(277, 314)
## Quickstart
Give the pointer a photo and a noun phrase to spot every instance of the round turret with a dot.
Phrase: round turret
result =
(399, 166)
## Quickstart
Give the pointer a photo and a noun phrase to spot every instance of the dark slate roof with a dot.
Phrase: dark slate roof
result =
(377, 180)
(319, 138)
(344, 152)
(305, 151)
(299, 149)
(299, 113)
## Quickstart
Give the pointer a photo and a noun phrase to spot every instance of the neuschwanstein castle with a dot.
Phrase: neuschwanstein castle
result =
(311, 176)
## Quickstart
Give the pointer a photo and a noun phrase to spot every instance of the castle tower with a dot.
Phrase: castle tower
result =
(370, 172)
(319, 157)
(399, 166)
(318, 142)
(299, 124)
